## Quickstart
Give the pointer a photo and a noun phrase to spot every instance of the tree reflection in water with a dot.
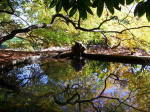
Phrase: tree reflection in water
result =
(57, 86)
(78, 64)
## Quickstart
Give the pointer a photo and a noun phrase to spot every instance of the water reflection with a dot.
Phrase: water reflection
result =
(78, 64)
(76, 86)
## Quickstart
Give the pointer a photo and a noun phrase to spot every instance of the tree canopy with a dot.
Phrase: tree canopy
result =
(72, 12)
(84, 6)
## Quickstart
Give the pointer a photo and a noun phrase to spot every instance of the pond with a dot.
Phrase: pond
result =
(65, 85)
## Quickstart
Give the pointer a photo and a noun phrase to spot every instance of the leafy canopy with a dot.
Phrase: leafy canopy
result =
(84, 6)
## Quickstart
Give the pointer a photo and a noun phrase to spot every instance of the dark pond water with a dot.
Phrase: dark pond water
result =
(75, 86)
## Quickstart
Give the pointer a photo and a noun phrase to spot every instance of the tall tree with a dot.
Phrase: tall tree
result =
(71, 7)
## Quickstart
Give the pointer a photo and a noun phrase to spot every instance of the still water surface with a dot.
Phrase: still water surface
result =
(75, 86)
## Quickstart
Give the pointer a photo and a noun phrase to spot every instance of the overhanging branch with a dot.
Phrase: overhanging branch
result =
(96, 29)
(6, 11)
(24, 30)
(67, 21)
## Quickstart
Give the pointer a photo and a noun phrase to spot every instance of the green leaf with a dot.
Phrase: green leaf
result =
(136, 10)
(53, 3)
(100, 7)
(140, 9)
(148, 13)
(128, 2)
(82, 9)
(87, 2)
(86, 5)
(122, 2)
(59, 6)
(71, 2)
(89, 10)
(82, 12)
(95, 3)
(110, 6)
(73, 11)
(66, 5)
(116, 5)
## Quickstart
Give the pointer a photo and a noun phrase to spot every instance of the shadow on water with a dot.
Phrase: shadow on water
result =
(75, 86)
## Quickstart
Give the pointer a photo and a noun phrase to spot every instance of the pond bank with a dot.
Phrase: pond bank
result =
(95, 52)
(8, 57)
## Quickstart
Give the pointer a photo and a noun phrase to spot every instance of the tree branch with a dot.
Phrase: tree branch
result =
(106, 20)
(123, 103)
(72, 100)
(96, 29)
(67, 20)
(24, 30)
(6, 11)
(9, 4)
